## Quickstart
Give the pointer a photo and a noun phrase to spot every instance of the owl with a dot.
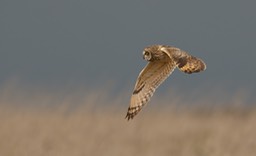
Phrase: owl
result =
(162, 60)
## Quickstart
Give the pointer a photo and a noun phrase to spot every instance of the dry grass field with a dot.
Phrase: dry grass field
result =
(40, 124)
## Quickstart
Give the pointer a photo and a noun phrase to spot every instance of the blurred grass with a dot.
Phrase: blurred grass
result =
(46, 123)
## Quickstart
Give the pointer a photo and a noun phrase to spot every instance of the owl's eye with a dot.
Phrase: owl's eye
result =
(146, 53)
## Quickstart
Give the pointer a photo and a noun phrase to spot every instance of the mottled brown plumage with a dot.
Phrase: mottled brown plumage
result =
(162, 61)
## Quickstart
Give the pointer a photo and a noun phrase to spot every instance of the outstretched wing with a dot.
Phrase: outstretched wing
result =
(149, 79)
(190, 64)
(184, 61)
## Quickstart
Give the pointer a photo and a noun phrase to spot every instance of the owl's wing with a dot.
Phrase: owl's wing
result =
(149, 79)
(184, 61)
(190, 64)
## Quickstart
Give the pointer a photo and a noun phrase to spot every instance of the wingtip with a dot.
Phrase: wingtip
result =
(129, 116)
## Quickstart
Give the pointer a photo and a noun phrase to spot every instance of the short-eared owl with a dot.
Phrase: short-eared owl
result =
(162, 61)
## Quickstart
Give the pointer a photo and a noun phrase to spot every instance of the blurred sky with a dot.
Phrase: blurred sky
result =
(91, 43)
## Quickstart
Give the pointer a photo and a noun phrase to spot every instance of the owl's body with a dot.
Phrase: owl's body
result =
(162, 61)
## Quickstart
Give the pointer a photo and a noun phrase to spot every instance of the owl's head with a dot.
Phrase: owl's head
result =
(152, 53)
